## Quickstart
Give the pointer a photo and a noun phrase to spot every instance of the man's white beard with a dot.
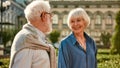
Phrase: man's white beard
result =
(50, 27)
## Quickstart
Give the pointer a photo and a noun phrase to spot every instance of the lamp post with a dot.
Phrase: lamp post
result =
(4, 5)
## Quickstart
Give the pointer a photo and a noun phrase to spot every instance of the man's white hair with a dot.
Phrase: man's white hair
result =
(35, 8)
(78, 12)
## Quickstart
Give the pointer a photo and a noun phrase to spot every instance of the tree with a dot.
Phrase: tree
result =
(105, 38)
(7, 36)
(54, 36)
(115, 41)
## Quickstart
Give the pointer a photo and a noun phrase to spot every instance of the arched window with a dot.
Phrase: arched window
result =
(98, 19)
(13, 19)
(109, 19)
(7, 19)
(10, 18)
(65, 19)
(55, 19)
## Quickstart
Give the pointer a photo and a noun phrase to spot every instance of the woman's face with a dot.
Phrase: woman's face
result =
(77, 24)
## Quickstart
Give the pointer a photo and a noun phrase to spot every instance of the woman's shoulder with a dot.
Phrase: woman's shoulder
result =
(67, 38)
(67, 41)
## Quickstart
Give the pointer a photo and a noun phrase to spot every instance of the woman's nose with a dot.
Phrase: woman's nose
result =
(75, 23)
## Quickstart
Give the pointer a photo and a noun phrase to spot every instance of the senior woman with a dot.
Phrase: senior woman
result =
(77, 50)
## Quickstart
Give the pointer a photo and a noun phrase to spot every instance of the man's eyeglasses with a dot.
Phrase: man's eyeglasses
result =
(46, 13)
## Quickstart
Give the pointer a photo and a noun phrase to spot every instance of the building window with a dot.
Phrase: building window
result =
(109, 19)
(14, 18)
(55, 19)
(98, 20)
(5, 17)
(87, 6)
(109, 6)
(10, 18)
(95, 34)
(65, 19)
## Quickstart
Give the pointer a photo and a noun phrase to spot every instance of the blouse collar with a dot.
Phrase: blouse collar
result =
(74, 38)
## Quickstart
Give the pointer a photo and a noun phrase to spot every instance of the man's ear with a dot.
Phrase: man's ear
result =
(43, 17)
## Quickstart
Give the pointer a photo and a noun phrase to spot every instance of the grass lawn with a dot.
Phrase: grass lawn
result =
(104, 59)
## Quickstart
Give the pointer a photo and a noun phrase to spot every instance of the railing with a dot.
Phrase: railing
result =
(4, 56)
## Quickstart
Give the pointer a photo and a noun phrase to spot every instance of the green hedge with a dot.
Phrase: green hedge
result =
(105, 60)
(4, 63)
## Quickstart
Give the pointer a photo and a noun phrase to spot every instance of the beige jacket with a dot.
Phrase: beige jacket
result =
(28, 52)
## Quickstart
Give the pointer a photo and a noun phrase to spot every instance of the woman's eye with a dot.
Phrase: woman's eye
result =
(72, 21)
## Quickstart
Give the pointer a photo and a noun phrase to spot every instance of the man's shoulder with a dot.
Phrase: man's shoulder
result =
(21, 38)
(22, 35)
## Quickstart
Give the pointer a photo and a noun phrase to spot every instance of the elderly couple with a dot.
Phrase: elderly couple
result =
(30, 50)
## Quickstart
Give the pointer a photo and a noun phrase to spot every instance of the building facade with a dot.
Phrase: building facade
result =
(11, 18)
(102, 14)
(12, 15)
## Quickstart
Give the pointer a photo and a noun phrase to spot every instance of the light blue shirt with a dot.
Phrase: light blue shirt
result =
(72, 55)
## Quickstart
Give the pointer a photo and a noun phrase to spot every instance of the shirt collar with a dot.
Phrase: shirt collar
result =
(73, 38)
(74, 41)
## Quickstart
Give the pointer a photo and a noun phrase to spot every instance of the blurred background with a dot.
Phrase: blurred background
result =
(104, 27)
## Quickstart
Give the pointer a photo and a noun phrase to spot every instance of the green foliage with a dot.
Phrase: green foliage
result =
(118, 18)
(107, 60)
(104, 60)
(115, 49)
(54, 35)
(8, 35)
(105, 38)
(4, 63)
(14, 32)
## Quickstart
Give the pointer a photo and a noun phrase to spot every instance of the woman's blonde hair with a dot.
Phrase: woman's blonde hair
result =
(78, 12)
